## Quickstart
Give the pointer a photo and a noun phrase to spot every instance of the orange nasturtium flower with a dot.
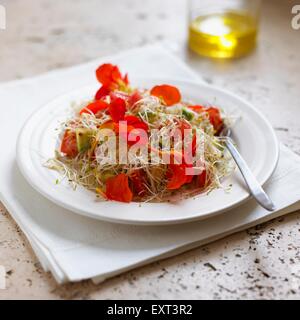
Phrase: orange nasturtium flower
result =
(169, 94)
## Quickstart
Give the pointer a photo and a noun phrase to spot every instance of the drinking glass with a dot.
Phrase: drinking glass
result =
(223, 28)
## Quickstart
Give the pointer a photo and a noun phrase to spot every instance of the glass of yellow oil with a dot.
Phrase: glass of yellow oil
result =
(223, 28)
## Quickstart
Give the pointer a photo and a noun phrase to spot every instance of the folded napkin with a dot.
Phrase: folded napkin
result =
(74, 247)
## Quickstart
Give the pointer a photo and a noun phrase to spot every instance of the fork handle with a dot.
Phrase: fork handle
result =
(254, 187)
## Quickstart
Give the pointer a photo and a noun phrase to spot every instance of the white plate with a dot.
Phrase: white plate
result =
(253, 134)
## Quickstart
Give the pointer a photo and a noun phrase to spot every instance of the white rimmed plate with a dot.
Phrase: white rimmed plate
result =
(253, 134)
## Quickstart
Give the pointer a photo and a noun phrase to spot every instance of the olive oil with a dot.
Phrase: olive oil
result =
(223, 35)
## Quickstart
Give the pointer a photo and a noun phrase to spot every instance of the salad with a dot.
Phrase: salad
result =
(136, 144)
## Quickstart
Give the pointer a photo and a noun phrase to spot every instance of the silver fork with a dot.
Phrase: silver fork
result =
(254, 187)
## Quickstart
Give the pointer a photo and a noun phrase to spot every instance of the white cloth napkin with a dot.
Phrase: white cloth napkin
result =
(74, 247)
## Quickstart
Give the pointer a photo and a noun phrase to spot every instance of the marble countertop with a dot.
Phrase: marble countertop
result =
(259, 263)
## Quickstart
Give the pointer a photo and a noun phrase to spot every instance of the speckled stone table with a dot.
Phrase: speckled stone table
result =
(259, 263)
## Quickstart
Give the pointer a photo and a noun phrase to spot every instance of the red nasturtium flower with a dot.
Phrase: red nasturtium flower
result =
(117, 109)
(134, 98)
(138, 179)
(95, 107)
(140, 127)
(136, 122)
(214, 115)
(69, 144)
(111, 78)
(102, 92)
(215, 118)
(170, 95)
(202, 179)
(177, 176)
(117, 188)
